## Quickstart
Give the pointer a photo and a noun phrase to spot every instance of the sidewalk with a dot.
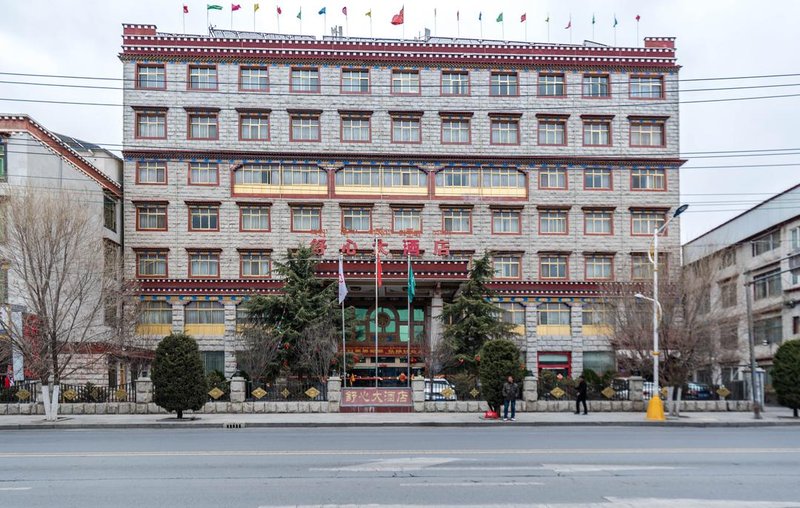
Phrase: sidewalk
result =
(774, 416)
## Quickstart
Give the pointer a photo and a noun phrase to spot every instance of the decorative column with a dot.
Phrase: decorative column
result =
(334, 393)
(237, 389)
(418, 393)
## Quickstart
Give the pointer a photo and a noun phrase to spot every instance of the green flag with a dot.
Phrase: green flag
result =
(500, 18)
(412, 283)
(593, 19)
(212, 7)
(300, 13)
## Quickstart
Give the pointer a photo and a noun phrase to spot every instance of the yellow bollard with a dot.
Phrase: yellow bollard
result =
(655, 409)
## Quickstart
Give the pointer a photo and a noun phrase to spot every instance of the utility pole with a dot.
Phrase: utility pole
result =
(748, 288)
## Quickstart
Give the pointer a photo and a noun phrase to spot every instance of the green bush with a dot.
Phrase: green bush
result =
(178, 379)
(786, 375)
(499, 359)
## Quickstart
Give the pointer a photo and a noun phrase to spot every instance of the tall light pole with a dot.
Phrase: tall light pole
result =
(655, 408)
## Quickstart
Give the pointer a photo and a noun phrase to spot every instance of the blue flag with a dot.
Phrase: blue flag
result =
(323, 11)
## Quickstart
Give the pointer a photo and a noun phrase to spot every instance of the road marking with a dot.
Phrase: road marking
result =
(401, 464)
(15, 488)
(472, 484)
(595, 468)
(610, 502)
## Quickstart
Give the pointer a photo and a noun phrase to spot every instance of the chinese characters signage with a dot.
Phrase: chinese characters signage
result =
(376, 397)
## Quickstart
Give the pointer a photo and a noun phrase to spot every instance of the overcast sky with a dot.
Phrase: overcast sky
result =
(715, 39)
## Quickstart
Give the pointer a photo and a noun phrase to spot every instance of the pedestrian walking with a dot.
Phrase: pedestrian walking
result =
(510, 391)
(581, 397)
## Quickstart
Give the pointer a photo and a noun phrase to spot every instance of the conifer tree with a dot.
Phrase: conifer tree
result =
(179, 382)
(786, 375)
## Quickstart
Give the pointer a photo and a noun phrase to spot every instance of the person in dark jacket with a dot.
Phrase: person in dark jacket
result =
(581, 397)
(510, 391)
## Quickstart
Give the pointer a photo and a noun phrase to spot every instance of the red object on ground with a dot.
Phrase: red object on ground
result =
(491, 415)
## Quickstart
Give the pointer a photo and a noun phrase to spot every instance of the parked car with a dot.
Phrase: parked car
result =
(697, 391)
(435, 387)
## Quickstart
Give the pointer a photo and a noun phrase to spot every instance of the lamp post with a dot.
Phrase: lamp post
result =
(655, 408)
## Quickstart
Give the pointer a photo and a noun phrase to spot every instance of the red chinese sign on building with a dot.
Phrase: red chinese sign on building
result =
(376, 397)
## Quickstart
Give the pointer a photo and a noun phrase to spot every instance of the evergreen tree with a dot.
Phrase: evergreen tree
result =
(786, 375)
(471, 319)
(306, 301)
(179, 382)
(499, 359)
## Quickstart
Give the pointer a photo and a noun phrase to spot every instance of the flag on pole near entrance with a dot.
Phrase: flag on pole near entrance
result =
(210, 7)
(399, 18)
(235, 7)
(412, 283)
(322, 11)
(342, 283)
(500, 18)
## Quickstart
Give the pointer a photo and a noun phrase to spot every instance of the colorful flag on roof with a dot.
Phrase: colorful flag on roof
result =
(480, 16)
(399, 18)
(523, 18)
(185, 9)
(300, 14)
(569, 25)
(500, 18)
(279, 11)
(638, 18)
(368, 13)
(256, 7)
(593, 18)
(615, 20)
(322, 11)
(210, 7)
(344, 10)
(235, 7)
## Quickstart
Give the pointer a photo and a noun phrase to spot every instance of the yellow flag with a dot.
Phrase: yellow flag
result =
(369, 13)
(256, 7)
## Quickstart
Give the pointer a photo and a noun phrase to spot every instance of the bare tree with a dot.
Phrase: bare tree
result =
(60, 275)
(260, 351)
(688, 327)
(318, 346)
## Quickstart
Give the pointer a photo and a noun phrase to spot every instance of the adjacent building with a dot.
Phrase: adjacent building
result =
(559, 160)
(757, 257)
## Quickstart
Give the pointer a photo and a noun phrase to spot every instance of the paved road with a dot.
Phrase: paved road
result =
(608, 467)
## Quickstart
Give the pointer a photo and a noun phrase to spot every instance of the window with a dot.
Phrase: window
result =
(506, 222)
(554, 314)
(306, 219)
(597, 179)
(647, 87)
(507, 267)
(596, 132)
(595, 314)
(253, 79)
(109, 212)
(151, 217)
(553, 131)
(503, 178)
(455, 83)
(151, 124)
(599, 267)
(202, 77)
(553, 178)
(512, 312)
(729, 335)
(203, 173)
(204, 264)
(205, 313)
(406, 220)
(504, 84)
(151, 76)
(355, 81)
(204, 218)
(794, 269)
(727, 293)
(405, 82)
(305, 174)
(151, 263)
(203, 125)
(456, 130)
(648, 179)
(151, 172)
(213, 361)
(642, 268)
(794, 233)
(552, 222)
(356, 220)
(766, 243)
(254, 218)
(304, 80)
(155, 313)
(457, 220)
(647, 132)
(795, 325)
(356, 129)
(767, 284)
(644, 222)
(598, 222)
(728, 258)
(406, 129)
(596, 86)
(257, 174)
(505, 130)
(768, 330)
(304, 127)
(552, 85)
(553, 266)
(255, 264)
(254, 126)
(458, 177)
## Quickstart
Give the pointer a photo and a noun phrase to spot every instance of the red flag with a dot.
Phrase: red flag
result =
(523, 18)
(638, 18)
(279, 11)
(185, 9)
(378, 265)
(235, 7)
(569, 25)
(399, 18)
(344, 10)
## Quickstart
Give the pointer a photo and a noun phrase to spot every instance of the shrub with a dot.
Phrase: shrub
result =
(786, 375)
(500, 358)
(178, 380)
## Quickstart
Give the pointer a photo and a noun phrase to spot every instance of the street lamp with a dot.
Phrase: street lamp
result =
(655, 408)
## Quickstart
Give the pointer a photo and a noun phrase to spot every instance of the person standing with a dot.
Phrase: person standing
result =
(581, 397)
(510, 392)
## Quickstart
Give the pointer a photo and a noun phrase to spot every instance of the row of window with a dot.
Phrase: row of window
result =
(253, 217)
(406, 127)
(152, 76)
(548, 178)
(256, 263)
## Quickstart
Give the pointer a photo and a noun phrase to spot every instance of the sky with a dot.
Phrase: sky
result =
(755, 41)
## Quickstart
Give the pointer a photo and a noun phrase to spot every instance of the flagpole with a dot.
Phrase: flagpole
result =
(231, 19)
(526, 30)
(344, 345)
(184, 22)
(377, 267)
(637, 30)
(570, 28)
(254, 20)
(324, 22)
(410, 325)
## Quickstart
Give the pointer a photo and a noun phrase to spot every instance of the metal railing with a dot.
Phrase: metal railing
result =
(568, 390)
(736, 390)
(25, 392)
(97, 393)
(286, 391)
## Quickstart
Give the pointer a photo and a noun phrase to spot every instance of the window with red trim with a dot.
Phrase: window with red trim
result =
(151, 263)
(203, 173)
(254, 126)
(255, 264)
(151, 76)
(202, 77)
(304, 80)
(204, 264)
(151, 124)
(253, 79)
(405, 82)
(203, 125)
(151, 217)
(204, 218)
